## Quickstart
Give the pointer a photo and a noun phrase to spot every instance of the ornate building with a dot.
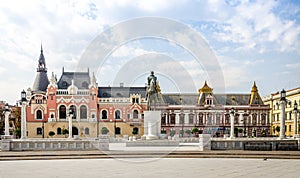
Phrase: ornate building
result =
(292, 97)
(209, 113)
(119, 110)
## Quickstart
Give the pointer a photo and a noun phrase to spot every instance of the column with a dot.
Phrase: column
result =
(70, 126)
(282, 119)
(231, 124)
(23, 121)
(7, 113)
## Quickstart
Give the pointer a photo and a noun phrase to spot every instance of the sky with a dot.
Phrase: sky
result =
(249, 40)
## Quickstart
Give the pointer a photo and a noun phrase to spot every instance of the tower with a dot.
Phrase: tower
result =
(41, 80)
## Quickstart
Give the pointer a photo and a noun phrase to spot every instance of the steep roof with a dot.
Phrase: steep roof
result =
(120, 92)
(41, 80)
(81, 80)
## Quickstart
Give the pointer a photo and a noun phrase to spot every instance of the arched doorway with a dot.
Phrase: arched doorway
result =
(74, 131)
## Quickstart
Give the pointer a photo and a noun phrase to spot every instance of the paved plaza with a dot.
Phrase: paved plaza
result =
(161, 167)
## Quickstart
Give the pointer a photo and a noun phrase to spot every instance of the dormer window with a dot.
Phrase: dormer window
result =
(85, 84)
(209, 100)
(64, 84)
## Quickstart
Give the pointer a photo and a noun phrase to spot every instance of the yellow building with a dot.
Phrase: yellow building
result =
(292, 97)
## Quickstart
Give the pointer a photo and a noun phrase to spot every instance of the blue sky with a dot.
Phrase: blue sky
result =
(252, 41)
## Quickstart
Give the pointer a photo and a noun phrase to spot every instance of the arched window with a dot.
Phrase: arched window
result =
(135, 114)
(254, 117)
(74, 111)
(118, 130)
(58, 131)
(263, 119)
(39, 114)
(39, 131)
(104, 114)
(83, 112)
(117, 114)
(135, 131)
(87, 131)
(52, 115)
(62, 112)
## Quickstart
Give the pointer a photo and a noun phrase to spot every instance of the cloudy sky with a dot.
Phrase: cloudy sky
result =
(251, 41)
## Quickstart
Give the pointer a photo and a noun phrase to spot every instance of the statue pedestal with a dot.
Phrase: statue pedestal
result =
(152, 125)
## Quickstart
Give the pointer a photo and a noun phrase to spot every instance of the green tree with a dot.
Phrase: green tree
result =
(17, 132)
(104, 131)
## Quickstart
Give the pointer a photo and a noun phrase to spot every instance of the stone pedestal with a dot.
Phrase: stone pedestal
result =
(5, 145)
(204, 142)
(152, 125)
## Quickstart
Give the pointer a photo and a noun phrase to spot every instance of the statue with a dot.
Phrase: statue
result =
(153, 91)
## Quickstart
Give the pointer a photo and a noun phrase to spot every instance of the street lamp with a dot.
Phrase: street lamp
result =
(6, 114)
(295, 119)
(115, 126)
(282, 103)
(232, 123)
(70, 122)
(23, 102)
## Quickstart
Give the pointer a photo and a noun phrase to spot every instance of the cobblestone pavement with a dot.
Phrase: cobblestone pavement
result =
(163, 167)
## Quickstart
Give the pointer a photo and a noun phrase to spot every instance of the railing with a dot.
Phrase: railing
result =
(79, 92)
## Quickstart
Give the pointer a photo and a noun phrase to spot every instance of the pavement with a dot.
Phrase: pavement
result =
(50, 155)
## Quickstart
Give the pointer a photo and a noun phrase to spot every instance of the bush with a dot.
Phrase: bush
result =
(195, 130)
(172, 133)
(51, 133)
(188, 132)
(65, 131)
(104, 131)
(17, 132)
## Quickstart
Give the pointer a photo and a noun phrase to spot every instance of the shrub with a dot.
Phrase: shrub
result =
(104, 131)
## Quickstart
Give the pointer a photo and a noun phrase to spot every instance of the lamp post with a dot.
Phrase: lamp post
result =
(23, 115)
(70, 123)
(6, 113)
(43, 127)
(231, 123)
(282, 103)
(115, 126)
(295, 119)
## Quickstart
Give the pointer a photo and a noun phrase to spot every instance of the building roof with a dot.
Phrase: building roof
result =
(120, 92)
(41, 82)
(81, 80)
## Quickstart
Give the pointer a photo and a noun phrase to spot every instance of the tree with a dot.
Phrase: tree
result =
(51, 133)
(172, 133)
(17, 132)
(65, 131)
(104, 131)
(195, 130)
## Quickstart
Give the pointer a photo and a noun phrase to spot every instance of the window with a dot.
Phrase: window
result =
(117, 114)
(39, 114)
(62, 112)
(104, 114)
(52, 115)
(209, 118)
(263, 119)
(191, 118)
(181, 116)
(200, 118)
(39, 131)
(290, 128)
(85, 85)
(254, 119)
(218, 119)
(163, 119)
(135, 114)
(118, 130)
(58, 131)
(64, 84)
(236, 118)
(73, 108)
(87, 131)
(83, 112)
(135, 131)
(172, 118)
(227, 119)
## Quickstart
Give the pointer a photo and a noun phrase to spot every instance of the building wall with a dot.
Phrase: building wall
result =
(273, 101)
